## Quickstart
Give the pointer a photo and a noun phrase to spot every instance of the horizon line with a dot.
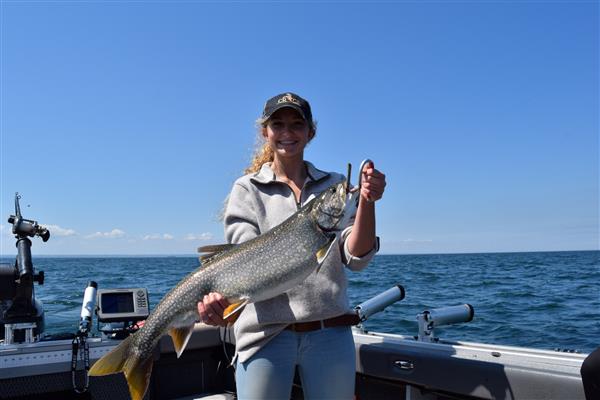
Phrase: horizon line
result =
(186, 255)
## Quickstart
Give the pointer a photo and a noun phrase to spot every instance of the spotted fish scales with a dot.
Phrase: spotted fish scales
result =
(256, 270)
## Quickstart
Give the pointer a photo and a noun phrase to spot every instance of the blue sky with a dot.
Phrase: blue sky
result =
(124, 124)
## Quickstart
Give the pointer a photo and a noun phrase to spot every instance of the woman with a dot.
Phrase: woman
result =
(308, 326)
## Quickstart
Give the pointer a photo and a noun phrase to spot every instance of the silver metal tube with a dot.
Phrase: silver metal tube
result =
(450, 315)
(379, 302)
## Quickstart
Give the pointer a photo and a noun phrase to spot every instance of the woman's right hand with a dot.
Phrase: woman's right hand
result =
(211, 309)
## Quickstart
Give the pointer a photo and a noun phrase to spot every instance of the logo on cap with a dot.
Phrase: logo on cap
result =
(288, 98)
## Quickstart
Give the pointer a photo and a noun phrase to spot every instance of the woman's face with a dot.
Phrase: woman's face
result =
(287, 133)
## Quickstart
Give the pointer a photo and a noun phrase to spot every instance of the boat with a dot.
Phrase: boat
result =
(388, 366)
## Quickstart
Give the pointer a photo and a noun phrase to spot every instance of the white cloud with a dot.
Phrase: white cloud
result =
(115, 233)
(5, 230)
(416, 241)
(56, 230)
(201, 236)
(156, 236)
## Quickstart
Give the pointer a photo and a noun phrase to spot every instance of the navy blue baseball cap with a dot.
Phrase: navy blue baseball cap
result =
(288, 100)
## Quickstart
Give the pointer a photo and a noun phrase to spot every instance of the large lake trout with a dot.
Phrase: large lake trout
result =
(256, 270)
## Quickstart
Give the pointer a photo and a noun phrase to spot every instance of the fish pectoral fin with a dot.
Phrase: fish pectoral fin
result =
(233, 311)
(181, 336)
(138, 373)
(113, 361)
(212, 250)
(324, 251)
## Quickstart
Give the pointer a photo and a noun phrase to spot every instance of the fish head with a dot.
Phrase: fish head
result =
(333, 208)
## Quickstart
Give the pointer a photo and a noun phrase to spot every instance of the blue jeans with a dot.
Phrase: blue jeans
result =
(326, 363)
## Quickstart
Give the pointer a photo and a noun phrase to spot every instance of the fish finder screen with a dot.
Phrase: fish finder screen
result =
(117, 303)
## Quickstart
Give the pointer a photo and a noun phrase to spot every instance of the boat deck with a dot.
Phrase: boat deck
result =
(388, 366)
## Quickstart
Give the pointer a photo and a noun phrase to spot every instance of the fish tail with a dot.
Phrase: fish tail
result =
(113, 361)
(137, 371)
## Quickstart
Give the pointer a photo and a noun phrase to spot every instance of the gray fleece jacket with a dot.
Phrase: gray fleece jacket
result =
(257, 203)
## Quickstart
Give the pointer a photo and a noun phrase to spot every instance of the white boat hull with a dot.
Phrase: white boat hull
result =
(387, 366)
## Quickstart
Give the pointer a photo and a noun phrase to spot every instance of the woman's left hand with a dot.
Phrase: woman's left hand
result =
(372, 183)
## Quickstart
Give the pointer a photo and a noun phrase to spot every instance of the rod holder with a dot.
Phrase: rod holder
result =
(379, 302)
(428, 320)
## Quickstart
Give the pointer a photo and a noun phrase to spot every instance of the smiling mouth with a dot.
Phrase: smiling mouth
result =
(287, 142)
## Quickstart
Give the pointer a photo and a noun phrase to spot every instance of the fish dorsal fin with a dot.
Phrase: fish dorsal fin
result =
(233, 311)
(181, 336)
(324, 251)
(213, 250)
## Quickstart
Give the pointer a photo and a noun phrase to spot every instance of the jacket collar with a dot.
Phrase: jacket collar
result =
(266, 174)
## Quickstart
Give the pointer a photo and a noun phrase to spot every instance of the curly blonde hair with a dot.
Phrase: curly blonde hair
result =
(264, 153)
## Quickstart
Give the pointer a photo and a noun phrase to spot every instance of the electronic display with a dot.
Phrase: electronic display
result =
(122, 305)
(117, 302)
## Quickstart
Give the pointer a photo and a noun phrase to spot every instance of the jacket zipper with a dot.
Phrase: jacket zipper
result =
(298, 202)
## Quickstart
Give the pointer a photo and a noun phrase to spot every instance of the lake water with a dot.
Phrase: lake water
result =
(546, 300)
